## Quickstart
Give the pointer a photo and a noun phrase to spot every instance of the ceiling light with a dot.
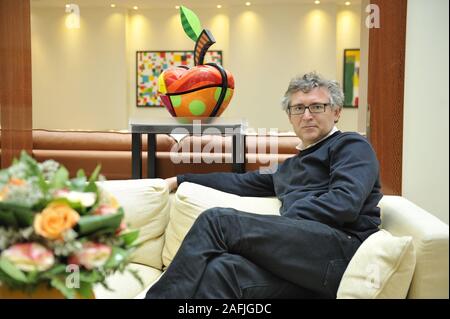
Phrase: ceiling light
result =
(248, 4)
(347, 3)
(113, 5)
(135, 7)
(177, 7)
(317, 2)
(219, 6)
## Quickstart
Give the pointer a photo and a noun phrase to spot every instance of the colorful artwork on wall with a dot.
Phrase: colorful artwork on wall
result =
(150, 64)
(351, 77)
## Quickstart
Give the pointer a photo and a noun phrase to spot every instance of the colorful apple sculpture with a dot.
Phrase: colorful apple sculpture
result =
(204, 90)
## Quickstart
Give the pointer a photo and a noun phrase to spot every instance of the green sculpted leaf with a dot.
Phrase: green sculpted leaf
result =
(190, 22)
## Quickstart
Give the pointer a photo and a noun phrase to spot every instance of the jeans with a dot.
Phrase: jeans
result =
(233, 254)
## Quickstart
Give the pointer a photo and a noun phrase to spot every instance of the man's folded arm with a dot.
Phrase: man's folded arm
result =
(353, 175)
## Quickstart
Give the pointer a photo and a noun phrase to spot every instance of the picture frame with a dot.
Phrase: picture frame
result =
(150, 64)
(352, 62)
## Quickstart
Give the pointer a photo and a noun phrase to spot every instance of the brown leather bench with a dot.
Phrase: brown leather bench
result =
(112, 149)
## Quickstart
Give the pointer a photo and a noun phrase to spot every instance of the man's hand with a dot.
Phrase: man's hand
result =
(172, 183)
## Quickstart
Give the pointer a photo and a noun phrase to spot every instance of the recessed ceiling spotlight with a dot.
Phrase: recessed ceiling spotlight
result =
(177, 7)
(248, 4)
(67, 6)
(219, 6)
(113, 5)
(347, 3)
(317, 2)
(135, 7)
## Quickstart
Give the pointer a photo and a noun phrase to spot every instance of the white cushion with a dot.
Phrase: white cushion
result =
(192, 199)
(125, 286)
(146, 206)
(381, 268)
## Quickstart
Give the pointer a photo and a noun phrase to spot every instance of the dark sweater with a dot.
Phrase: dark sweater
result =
(335, 182)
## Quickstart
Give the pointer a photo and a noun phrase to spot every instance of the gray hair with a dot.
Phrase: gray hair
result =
(309, 81)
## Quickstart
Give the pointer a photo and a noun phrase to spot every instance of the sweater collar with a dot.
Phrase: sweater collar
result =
(300, 145)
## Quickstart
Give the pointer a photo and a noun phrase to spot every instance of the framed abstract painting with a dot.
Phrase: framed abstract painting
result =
(351, 77)
(150, 64)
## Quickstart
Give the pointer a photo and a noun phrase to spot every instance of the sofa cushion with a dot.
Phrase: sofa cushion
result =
(401, 217)
(381, 268)
(192, 199)
(146, 206)
(125, 286)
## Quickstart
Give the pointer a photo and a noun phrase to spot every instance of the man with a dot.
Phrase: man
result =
(329, 194)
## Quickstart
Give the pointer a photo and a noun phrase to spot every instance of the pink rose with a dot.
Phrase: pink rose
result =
(105, 209)
(92, 255)
(29, 256)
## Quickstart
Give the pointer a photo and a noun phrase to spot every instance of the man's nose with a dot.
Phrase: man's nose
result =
(307, 114)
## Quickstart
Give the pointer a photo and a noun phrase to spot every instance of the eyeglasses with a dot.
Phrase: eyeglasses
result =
(300, 109)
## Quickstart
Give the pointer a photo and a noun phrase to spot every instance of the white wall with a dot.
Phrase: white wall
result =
(426, 110)
(79, 75)
(348, 27)
(85, 78)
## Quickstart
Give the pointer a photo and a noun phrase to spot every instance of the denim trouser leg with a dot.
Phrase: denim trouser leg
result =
(305, 253)
(233, 276)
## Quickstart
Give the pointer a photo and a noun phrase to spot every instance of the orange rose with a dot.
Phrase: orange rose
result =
(54, 220)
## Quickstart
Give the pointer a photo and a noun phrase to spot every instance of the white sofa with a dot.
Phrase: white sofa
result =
(165, 218)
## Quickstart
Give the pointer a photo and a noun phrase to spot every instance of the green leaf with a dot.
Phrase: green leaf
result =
(55, 270)
(72, 204)
(31, 164)
(95, 223)
(15, 206)
(12, 271)
(92, 276)
(130, 237)
(15, 214)
(24, 218)
(60, 178)
(61, 286)
(118, 256)
(80, 173)
(78, 184)
(43, 185)
(33, 276)
(190, 22)
(85, 290)
(92, 187)
(8, 218)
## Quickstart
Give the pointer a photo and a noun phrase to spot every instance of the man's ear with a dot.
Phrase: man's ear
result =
(337, 114)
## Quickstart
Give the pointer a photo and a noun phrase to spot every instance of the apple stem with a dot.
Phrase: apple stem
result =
(204, 41)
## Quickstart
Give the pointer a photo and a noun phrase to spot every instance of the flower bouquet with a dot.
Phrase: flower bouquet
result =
(65, 234)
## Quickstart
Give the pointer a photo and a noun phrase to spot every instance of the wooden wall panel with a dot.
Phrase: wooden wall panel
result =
(15, 79)
(386, 91)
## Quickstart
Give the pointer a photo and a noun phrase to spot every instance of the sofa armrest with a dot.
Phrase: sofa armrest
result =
(146, 205)
(401, 217)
